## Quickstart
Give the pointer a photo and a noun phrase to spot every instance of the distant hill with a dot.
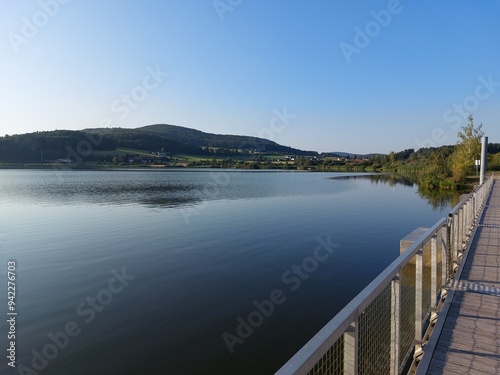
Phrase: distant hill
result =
(170, 139)
(202, 139)
(140, 140)
(70, 144)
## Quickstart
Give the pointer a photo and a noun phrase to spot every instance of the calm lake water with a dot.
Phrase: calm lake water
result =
(153, 272)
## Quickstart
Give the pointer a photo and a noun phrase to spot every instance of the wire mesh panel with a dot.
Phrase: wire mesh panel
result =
(332, 361)
(449, 235)
(456, 235)
(407, 310)
(374, 336)
(426, 284)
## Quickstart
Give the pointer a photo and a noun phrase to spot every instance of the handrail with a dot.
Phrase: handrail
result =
(376, 319)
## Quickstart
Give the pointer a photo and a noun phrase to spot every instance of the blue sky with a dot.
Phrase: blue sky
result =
(332, 75)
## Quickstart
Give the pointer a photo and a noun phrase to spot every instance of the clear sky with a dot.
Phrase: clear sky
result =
(324, 75)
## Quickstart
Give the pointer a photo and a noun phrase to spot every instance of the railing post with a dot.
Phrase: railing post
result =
(434, 281)
(419, 291)
(444, 256)
(472, 212)
(395, 323)
(478, 204)
(479, 201)
(466, 221)
(455, 228)
(474, 209)
(465, 229)
(460, 230)
(351, 349)
(469, 215)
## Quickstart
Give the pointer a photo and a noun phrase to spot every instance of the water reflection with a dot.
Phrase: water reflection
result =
(158, 189)
(169, 189)
(383, 178)
(439, 200)
(103, 189)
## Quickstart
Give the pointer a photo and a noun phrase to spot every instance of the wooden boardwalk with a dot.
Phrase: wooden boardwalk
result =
(466, 339)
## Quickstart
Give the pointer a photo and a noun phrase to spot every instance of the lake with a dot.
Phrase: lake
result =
(189, 271)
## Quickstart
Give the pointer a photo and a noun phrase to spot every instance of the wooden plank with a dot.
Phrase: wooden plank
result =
(477, 346)
(441, 370)
(444, 355)
(485, 310)
(462, 365)
(471, 336)
(469, 333)
(433, 370)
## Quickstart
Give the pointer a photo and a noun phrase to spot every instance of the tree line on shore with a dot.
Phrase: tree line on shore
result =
(448, 167)
(437, 168)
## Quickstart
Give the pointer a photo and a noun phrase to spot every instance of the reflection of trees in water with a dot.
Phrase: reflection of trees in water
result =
(120, 192)
(394, 179)
(383, 178)
(439, 200)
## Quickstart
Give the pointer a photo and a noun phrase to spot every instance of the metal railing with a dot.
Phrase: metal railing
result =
(382, 330)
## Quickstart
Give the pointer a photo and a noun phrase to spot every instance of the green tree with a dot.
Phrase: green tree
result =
(467, 150)
(376, 162)
(494, 162)
(437, 165)
(392, 158)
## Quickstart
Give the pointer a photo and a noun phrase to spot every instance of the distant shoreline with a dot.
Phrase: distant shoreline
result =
(104, 167)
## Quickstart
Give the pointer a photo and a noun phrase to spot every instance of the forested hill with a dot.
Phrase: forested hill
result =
(69, 144)
(202, 139)
(57, 144)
